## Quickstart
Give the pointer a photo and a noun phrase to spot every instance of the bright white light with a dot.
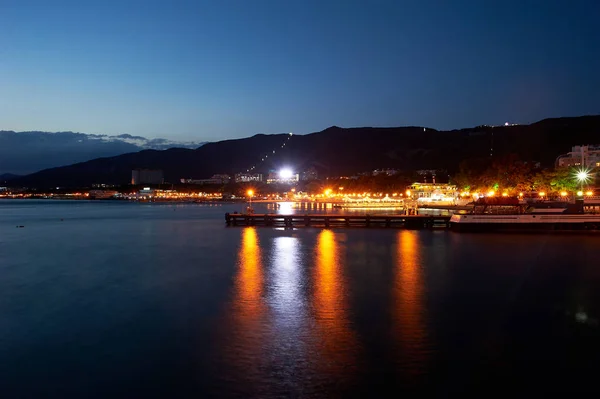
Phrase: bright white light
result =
(582, 175)
(285, 208)
(286, 173)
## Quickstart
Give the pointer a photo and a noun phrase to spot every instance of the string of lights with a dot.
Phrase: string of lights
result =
(266, 156)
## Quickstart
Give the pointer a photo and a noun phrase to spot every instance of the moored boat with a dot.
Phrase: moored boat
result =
(492, 214)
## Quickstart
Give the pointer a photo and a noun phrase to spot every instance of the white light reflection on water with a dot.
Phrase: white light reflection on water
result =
(285, 296)
(285, 208)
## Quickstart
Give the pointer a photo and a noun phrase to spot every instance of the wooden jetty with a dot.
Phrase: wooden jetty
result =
(317, 220)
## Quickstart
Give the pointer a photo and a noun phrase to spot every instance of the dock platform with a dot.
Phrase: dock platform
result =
(317, 220)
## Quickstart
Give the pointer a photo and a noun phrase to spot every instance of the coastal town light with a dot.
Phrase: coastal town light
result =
(542, 194)
(491, 193)
(589, 193)
(580, 193)
(563, 193)
(286, 173)
(583, 176)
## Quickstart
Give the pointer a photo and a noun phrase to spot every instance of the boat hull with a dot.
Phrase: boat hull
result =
(483, 223)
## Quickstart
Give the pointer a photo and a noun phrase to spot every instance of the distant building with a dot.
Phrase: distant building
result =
(215, 179)
(587, 156)
(310, 174)
(248, 177)
(102, 185)
(201, 181)
(147, 176)
(146, 192)
(276, 178)
(223, 177)
(102, 194)
(426, 193)
(387, 172)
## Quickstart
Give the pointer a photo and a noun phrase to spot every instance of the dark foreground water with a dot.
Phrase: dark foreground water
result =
(120, 300)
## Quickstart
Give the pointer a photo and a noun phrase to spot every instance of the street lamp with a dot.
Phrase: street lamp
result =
(250, 193)
(583, 175)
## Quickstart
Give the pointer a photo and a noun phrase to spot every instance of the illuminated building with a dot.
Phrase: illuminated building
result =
(215, 179)
(441, 194)
(387, 172)
(248, 177)
(587, 156)
(102, 194)
(283, 176)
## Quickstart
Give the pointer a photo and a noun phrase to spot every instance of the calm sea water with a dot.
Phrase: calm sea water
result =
(124, 300)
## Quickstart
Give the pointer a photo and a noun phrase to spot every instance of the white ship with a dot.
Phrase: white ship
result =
(491, 214)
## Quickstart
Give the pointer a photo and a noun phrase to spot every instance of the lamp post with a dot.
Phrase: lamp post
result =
(582, 177)
(250, 193)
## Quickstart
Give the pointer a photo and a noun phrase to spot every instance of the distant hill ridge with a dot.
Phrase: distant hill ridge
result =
(26, 152)
(337, 151)
(7, 176)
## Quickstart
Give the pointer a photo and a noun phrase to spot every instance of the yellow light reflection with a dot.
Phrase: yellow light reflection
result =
(249, 282)
(337, 341)
(245, 330)
(409, 301)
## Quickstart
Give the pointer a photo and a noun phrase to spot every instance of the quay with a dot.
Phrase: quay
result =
(316, 220)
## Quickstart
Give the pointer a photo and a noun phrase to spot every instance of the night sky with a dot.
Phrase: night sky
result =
(210, 70)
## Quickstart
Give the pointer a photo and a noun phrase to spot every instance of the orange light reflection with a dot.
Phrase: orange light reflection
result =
(244, 341)
(250, 278)
(337, 341)
(409, 301)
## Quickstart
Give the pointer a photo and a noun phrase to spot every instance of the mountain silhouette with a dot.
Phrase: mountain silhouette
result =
(336, 151)
(27, 152)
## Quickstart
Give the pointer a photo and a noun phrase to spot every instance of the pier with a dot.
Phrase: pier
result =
(316, 220)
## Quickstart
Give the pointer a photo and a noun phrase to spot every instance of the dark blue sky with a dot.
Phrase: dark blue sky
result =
(208, 70)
